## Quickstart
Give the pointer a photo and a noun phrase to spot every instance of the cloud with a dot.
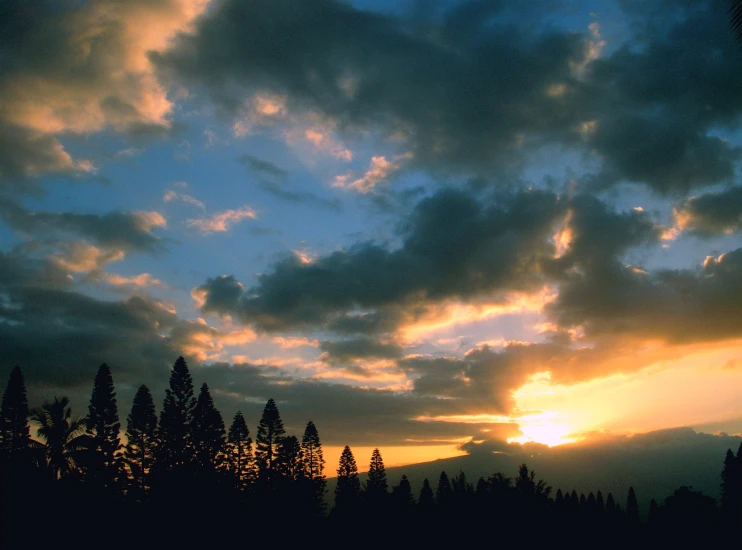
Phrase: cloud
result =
(711, 213)
(221, 221)
(453, 246)
(670, 305)
(347, 351)
(471, 90)
(378, 171)
(126, 231)
(171, 195)
(262, 166)
(84, 67)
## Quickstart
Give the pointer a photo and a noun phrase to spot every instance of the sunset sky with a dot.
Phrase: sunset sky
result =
(418, 224)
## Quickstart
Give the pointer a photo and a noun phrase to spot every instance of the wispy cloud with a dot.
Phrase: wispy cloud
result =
(221, 221)
(378, 170)
(171, 195)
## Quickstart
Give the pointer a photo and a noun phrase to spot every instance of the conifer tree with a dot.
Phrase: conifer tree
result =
(268, 439)
(632, 507)
(103, 427)
(141, 446)
(610, 505)
(731, 487)
(312, 451)
(376, 486)
(426, 500)
(443, 492)
(176, 417)
(314, 466)
(402, 495)
(207, 430)
(15, 434)
(289, 460)
(348, 488)
(240, 461)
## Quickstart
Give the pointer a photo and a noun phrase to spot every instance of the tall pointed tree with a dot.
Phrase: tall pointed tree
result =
(290, 460)
(207, 430)
(314, 467)
(239, 456)
(348, 488)
(426, 501)
(312, 449)
(176, 417)
(402, 495)
(103, 426)
(731, 487)
(15, 434)
(377, 488)
(141, 446)
(268, 439)
(443, 492)
(632, 507)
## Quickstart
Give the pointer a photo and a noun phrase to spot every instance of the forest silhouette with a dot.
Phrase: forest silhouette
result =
(184, 479)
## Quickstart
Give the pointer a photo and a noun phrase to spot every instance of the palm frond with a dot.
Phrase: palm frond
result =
(735, 20)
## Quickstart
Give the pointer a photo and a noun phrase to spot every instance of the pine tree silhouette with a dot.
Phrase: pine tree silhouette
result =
(268, 439)
(443, 492)
(239, 456)
(402, 495)
(290, 459)
(731, 487)
(207, 430)
(176, 418)
(314, 466)
(348, 488)
(15, 434)
(141, 447)
(426, 501)
(376, 485)
(103, 426)
(632, 507)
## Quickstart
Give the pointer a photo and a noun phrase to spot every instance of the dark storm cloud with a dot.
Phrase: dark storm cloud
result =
(453, 246)
(673, 305)
(462, 89)
(121, 230)
(712, 213)
(473, 90)
(342, 351)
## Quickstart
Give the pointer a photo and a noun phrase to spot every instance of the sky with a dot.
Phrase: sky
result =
(425, 226)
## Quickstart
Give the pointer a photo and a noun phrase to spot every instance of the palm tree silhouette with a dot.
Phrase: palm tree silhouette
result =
(64, 438)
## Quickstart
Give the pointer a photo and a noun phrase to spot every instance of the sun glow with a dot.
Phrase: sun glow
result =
(543, 428)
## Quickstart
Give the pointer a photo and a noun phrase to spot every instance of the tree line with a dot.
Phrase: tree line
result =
(187, 457)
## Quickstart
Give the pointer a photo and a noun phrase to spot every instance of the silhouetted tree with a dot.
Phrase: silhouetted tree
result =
(426, 501)
(610, 504)
(632, 507)
(289, 459)
(239, 457)
(15, 435)
(314, 466)
(207, 430)
(531, 489)
(141, 446)
(402, 495)
(268, 440)
(103, 426)
(443, 492)
(348, 488)
(376, 485)
(65, 442)
(731, 487)
(176, 417)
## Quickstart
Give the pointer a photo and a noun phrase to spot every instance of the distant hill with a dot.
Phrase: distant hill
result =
(655, 464)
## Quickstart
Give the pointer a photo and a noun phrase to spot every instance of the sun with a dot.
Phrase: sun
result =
(542, 428)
